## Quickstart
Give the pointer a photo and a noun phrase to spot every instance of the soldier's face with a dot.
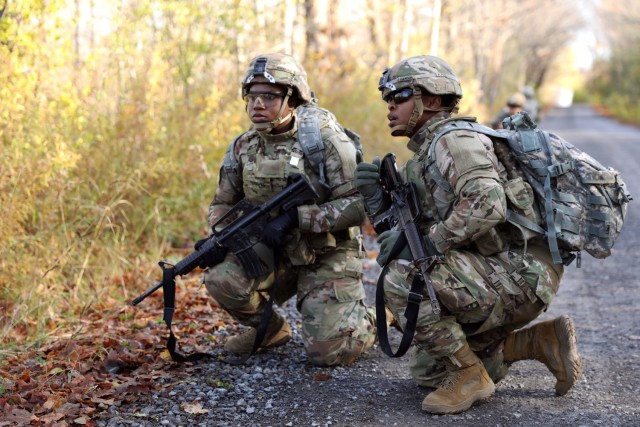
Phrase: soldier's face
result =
(264, 101)
(400, 109)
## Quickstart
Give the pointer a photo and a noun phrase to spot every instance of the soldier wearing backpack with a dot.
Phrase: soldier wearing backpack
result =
(488, 283)
(314, 250)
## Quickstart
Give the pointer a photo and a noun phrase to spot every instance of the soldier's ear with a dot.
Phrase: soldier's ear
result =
(294, 101)
(432, 102)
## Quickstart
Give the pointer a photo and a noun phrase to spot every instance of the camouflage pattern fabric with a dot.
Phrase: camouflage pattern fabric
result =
(322, 264)
(429, 72)
(487, 285)
(278, 68)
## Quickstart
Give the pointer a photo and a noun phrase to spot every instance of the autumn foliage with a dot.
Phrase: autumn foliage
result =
(114, 117)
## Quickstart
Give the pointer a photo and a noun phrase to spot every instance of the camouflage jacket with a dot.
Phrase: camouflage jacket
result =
(477, 203)
(264, 163)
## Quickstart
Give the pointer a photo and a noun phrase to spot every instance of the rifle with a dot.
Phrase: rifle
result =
(403, 214)
(237, 237)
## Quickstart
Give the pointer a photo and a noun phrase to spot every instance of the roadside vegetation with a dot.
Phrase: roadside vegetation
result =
(615, 81)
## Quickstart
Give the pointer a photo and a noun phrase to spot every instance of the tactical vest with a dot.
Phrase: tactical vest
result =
(268, 174)
(311, 119)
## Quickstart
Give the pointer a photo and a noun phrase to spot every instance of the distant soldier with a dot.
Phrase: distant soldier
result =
(515, 103)
(319, 245)
(531, 104)
(487, 282)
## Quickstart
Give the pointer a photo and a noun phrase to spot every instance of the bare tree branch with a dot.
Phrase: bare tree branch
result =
(4, 7)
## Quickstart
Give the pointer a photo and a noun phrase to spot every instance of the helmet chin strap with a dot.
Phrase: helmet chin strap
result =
(418, 110)
(268, 127)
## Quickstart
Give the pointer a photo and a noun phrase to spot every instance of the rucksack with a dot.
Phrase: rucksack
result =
(311, 118)
(580, 205)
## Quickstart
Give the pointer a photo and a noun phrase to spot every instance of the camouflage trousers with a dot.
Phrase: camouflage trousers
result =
(483, 299)
(337, 326)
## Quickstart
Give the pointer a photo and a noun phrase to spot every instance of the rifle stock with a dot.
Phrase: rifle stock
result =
(233, 237)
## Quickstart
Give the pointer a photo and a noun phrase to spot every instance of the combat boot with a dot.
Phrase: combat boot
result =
(466, 383)
(278, 333)
(553, 343)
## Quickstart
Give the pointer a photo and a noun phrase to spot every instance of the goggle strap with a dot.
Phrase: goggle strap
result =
(418, 109)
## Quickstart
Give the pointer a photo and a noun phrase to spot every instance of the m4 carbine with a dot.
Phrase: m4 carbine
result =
(403, 215)
(237, 236)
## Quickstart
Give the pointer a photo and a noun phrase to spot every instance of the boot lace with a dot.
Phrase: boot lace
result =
(450, 381)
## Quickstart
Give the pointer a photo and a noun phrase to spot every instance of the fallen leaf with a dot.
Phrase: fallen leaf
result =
(193, 408)
(103, 401)
(81, 420)
(322, 376)
(50, 418)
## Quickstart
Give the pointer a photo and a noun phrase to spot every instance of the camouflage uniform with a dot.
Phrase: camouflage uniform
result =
(322, 264)
(514, 104)
(531, 105)
(487, 285)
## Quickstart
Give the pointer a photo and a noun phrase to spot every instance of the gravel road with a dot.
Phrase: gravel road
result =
(279, 388)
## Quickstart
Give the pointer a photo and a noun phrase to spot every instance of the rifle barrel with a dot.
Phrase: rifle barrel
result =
(148, 292)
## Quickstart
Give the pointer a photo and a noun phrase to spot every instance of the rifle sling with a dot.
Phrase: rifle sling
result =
(410, 313)
(169, 294)
(414, 299)
(261, 330)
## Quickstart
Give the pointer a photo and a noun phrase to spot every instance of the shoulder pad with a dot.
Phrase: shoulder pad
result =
(323, 116)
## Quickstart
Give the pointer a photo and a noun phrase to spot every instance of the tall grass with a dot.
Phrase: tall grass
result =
(103, 176)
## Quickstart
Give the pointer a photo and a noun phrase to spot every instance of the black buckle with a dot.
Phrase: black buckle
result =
(384, 78)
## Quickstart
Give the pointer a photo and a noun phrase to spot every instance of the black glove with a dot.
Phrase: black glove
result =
(388, 248)
(213, 257)
(367, 181)
(432, 251)
(275, 233)
(387, 240)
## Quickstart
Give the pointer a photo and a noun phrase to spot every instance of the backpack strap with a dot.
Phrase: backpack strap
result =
(311, 142)
(552, 171)
(230, 165)
(355, 138)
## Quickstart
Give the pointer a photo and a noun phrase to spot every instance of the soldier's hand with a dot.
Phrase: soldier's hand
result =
(393, 245)
(367, 181)
(276, 232)
(213, 257)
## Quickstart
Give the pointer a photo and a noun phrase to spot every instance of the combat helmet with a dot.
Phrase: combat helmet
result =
(424, 73)
(516, 100)
(280, 69)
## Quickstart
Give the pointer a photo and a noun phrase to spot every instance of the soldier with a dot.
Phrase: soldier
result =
(488, 284)
(531, 104)
(514, 104)
(319, 244)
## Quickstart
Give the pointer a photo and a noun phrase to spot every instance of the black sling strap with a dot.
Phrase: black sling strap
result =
(169, 293)
(414, 299)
